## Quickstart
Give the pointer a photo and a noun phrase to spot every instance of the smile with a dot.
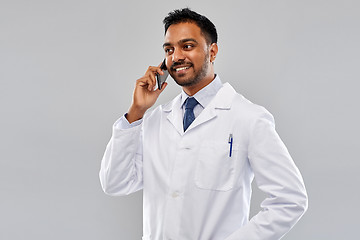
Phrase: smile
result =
(181, 68)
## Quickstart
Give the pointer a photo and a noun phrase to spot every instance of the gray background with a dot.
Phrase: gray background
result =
(67, 70)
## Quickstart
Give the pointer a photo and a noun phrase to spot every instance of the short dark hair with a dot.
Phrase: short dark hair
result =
(186, 15)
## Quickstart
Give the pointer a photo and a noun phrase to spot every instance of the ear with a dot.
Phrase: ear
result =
(213, 52)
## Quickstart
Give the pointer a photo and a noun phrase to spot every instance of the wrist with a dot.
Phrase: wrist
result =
(134, 114)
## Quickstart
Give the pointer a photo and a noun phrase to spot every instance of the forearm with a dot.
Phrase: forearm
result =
(121, 166)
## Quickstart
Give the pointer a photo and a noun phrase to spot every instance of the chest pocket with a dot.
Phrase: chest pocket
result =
(215, 169)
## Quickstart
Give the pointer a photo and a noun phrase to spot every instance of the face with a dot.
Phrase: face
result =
(187, 54)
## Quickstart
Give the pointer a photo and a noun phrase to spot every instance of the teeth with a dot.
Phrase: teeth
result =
(182, 68)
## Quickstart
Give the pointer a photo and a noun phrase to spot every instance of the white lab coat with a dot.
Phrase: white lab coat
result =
(193, 189)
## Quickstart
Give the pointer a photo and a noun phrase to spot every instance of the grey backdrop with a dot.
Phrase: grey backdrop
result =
(67, 70)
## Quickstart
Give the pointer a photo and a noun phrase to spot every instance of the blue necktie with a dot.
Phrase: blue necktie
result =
(189, 116)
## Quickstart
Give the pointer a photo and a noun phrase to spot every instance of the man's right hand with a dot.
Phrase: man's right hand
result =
(144, 95)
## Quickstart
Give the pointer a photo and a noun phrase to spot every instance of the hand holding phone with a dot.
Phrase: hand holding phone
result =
(145, 95)
(162, 78)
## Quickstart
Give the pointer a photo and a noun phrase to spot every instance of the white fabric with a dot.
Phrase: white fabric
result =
(192, 189)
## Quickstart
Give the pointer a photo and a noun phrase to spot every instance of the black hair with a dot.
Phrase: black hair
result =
(186, 15)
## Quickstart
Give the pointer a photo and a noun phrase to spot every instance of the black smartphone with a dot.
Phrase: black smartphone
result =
(162, 78)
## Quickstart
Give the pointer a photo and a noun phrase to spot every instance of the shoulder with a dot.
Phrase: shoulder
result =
(249, 110)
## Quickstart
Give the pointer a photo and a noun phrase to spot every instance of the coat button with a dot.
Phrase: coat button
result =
(175, 194)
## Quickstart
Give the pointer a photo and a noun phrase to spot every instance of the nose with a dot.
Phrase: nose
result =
(178, 55)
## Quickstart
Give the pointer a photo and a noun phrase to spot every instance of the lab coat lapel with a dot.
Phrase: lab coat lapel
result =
(174, 111)
(222, 100)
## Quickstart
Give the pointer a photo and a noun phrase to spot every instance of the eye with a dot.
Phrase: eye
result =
(168, 51)
(188, 46)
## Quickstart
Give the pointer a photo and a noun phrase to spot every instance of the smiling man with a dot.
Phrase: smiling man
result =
(196, 156)
(188, 52)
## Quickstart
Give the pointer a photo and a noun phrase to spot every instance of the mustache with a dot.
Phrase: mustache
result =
(175, 64)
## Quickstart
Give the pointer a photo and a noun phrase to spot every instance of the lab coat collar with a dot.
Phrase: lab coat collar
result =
(222, 100)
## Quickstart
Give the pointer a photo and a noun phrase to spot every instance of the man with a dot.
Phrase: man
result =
(196, 156)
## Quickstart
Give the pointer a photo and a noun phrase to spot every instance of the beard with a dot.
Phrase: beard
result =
(198, 75)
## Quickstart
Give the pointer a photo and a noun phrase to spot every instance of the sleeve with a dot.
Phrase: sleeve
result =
(277, 176)
(123, 123)
(121, 165)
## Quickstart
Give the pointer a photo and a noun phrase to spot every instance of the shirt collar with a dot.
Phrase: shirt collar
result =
(204, 95)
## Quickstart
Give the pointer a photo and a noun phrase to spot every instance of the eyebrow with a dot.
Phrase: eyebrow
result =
(181, 41)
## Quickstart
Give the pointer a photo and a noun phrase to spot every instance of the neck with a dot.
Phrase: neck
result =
(191, 90)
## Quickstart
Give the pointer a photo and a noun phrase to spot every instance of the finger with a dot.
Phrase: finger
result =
(152, 81)
(163, 86)
(142, 82)
(160, 71)
(146, 83)
(154, 69)
(151, 73)
(157, 69)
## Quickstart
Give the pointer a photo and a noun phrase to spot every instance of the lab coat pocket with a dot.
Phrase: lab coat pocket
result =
(215, 168)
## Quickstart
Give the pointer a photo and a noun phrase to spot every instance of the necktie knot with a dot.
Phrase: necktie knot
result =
(190, 103)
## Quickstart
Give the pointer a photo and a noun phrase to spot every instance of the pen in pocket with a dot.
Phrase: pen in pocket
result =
(230, 142)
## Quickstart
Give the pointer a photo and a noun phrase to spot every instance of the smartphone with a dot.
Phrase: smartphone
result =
(162, 78)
